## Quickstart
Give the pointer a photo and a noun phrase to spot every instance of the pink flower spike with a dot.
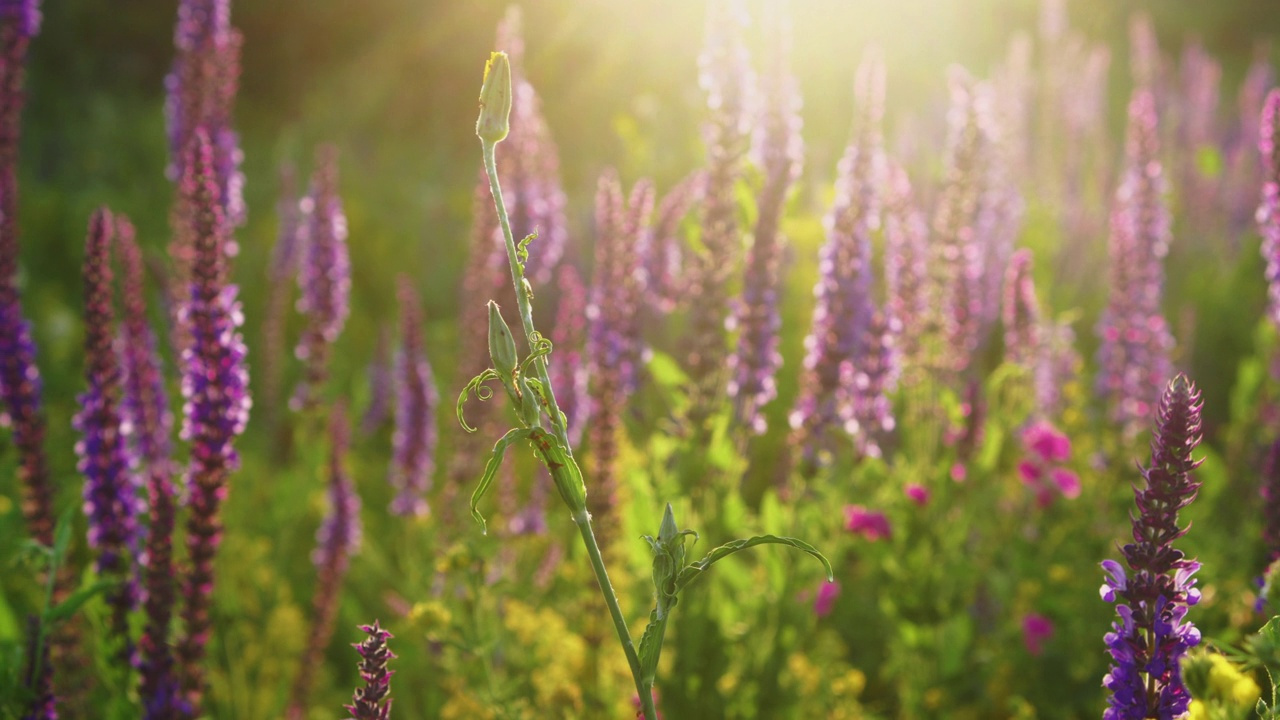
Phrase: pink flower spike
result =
(826, 598)
(870, 524)
(1036, 629)
(959, 472)
(918, 493)
(1067, 481)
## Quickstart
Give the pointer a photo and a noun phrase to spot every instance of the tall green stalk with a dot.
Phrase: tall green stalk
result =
(492, 128)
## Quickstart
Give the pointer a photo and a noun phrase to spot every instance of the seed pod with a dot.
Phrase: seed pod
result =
(502, 347)
(495, 100)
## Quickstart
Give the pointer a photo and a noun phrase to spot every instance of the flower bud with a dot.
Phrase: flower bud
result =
(502, 347)
(495, 100)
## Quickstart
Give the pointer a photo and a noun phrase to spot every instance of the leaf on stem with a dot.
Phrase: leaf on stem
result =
(695, 570)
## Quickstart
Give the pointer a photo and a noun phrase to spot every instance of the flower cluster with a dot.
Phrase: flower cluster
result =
(373, 701)
(414, 438)
(1150, 637)
(870, 524)
(1042, 469)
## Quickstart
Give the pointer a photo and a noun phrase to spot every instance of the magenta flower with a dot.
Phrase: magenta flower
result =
(825, 599)
(917, 493)
(1047, 442)
(1036, 629)
(870, 524)
(1041, 469)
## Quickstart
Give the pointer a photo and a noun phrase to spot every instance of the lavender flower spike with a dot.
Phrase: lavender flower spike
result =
(110, 495)
(19, 376)
(215, 385)
(373, 701)
(725, 74)
(1269, 209)
(146, 410)
(844, 307)
(324, 276)
(1134, 352)
(612, 337)
(201, 92)
(1150, 638)
(337, 539)
(756, 315)
(414, 439)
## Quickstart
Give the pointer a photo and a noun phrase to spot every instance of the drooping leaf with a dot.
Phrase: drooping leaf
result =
(695, 570)
(491, 470)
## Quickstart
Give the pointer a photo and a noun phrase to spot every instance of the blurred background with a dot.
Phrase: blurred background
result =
(393, 84)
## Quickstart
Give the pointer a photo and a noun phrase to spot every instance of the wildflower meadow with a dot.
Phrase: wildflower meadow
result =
(686, 359)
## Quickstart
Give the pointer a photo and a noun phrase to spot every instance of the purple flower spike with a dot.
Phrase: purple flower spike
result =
(324, 275)
(1269, 209)
(201, 91)
(1153, 596)
(215, 386)
(725, 74)
(1021, 313)
(756, 317)
(146, 406)
(110, 495)
(612, 333)
(414, 439)
(1134, 352)
(373, 701)
(906, 272)
(380, 385)
(844, 311)
(20, 405)
(280, 272)
(336, 541)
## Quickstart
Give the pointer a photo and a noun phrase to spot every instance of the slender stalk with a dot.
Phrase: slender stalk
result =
(580, 517)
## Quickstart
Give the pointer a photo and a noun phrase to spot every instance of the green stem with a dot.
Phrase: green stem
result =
(580, 516)
(583, 520)
(522, 298)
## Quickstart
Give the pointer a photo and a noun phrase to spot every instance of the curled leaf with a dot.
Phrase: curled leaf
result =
(483, 392)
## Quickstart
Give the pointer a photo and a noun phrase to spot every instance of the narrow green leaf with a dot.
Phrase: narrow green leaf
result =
(694, 570)
(491, 470)
(651, 646)
(65, 609)
(62, 533)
